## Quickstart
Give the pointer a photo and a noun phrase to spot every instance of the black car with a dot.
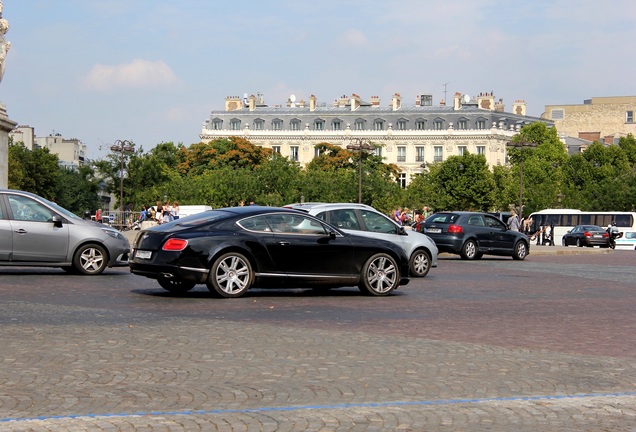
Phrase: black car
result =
(233, 249)
(586, 235)
(473, 234)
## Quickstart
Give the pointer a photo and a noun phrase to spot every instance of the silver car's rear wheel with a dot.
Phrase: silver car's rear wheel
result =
(230, 276)
(90, 259)
(380, 275)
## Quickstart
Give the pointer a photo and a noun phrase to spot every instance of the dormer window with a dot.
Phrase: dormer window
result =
(259, 124)
(277, 124)
(235, 124)
(319, 124)
(402, 124)
(217, 124)
(294, 124)
(378, 124)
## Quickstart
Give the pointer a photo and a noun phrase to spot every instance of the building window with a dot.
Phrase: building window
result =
(378, 124)
(401, 124)
(402, 180)
(481, 150)
(462, 124)
(235, 124)
(481, 124)
(293, 153)
(259, 124)
(336, 125)
(319, 124)
(438, 125)
(294, 124)
(426, 100)
(420, 124)
(217, 124)
(557, 114)
(461, 150)
(401, 154)
(438, 154)
(317, 152)
(629, 117)
(377, 151)
(359, 124)
(419, 154)
(276, 149)
(277, 124)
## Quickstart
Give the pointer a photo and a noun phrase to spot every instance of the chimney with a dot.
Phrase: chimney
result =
(301, 103)
(396, 102)
(442, 102)
(519, 107)
(499, 106)
(486, 101)
(342, 101)
(457, 101)
(375, 101)
(355, 102)
(252, 102)
(312, 103)
(233, 103)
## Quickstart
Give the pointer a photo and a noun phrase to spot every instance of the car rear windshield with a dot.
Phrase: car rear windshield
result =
(442, 218)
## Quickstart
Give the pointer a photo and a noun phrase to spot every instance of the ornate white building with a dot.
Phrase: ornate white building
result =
(408, 136)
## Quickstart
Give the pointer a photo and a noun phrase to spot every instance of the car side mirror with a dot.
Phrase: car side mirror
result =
(401, 230)
(57, 221)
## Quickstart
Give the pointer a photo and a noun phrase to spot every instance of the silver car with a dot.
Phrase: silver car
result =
(366, 221)
(36, 232)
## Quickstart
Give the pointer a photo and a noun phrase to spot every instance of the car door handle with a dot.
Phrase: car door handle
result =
(20, 231)
(283, 243)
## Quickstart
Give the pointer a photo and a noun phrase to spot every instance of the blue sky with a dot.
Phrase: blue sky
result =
(151, 70)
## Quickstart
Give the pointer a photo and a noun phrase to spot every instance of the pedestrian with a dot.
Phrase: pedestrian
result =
(159, 212)
(513, 221)
(98, 215)
(397, 216)
(175, 210)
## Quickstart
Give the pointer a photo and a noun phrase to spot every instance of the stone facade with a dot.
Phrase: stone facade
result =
(408, 136)
(603, 119)
(71, 151)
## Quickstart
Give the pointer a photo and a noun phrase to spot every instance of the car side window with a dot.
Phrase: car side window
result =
(378, 223)
(256, 223)
(476, 220)
(25, 209)
(344, 218)
(294, 224)
(492, 222)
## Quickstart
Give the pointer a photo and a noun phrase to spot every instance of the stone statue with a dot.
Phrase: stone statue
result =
(4, 44)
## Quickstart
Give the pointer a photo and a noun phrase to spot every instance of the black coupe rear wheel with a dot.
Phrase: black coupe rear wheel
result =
(231, 275)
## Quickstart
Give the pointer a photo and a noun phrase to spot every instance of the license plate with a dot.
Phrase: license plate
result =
(434, 230)
(598, 236)
(143, 254)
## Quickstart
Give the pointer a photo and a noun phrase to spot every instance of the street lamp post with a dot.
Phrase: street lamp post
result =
(122, 147)
(521, 144)
(360, 146)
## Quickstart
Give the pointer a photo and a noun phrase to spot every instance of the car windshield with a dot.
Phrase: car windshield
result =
(61, 210)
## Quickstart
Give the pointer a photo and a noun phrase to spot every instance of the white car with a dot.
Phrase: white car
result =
(627, 241)
(364, 220)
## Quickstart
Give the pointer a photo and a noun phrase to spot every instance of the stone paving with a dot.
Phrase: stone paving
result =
(73, 368)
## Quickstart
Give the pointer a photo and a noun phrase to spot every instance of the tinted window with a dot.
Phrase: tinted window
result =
(444, 218)
(493, 222)
(476, 220)
(344, 218)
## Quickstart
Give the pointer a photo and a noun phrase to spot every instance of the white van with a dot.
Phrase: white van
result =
(188, 210)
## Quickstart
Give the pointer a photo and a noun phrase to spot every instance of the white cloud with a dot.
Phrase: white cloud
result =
(355, 38)
(136, 74)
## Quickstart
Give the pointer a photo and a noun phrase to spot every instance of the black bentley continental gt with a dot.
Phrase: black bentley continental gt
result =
(236, 248)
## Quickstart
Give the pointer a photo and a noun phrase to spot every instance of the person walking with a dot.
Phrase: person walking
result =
(513, 221)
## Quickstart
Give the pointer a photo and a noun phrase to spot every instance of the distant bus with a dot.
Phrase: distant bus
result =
(566, 219)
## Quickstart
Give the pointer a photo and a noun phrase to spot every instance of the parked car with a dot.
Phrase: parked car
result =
(233, 249)
(473, 234)
(39, 233)
(586, 235)
(627, 241)
(366, 221)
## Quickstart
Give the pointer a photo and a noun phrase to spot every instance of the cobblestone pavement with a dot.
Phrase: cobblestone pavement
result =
(544, 345)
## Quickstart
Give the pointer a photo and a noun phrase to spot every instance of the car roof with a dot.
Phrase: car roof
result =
(327, 206)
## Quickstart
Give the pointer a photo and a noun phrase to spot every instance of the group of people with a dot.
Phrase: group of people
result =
(160, 213)
(405, 217)
(544, 235)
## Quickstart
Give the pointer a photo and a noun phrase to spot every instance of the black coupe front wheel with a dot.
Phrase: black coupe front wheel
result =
(380, 275)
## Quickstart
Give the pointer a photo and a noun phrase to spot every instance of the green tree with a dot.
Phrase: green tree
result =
(76, 190)
(35, 171)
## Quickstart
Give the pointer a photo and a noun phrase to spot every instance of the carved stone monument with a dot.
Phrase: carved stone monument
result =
(6, 125)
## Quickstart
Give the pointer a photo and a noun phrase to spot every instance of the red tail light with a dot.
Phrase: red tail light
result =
(605, 235)
(587, 234)
(455, 229)
(175, 244)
